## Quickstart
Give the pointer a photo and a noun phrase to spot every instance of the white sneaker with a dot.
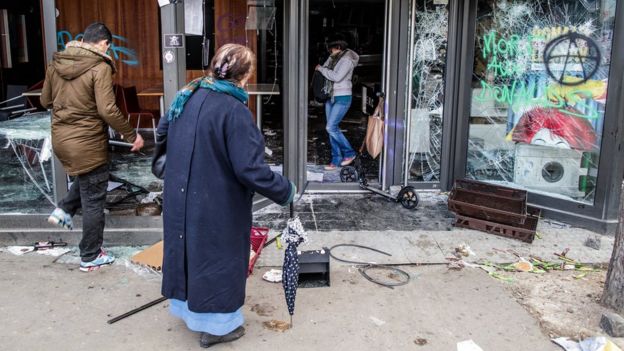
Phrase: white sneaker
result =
(103, 259)
(61, 219)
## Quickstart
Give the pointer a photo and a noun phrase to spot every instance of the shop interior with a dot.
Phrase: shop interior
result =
(26, 177)
(361, 23)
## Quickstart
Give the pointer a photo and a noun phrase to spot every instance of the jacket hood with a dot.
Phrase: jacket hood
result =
(78, 58)
(352, 56)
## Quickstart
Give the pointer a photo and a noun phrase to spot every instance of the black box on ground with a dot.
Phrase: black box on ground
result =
(314, 268)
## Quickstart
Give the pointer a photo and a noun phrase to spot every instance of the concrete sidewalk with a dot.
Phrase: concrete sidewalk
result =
(52, 305)
(422, 246)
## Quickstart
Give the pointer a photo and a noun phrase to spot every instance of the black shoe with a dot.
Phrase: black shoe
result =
(206, 340)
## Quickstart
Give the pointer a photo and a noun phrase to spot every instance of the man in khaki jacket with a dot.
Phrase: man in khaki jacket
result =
(79, 89)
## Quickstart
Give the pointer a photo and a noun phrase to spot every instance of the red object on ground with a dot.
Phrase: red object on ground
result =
(259, 236)
(576, 131)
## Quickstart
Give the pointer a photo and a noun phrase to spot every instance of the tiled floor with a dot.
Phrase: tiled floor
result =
(360, 213)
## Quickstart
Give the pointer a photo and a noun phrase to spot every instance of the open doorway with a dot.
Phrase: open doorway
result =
(361, 25)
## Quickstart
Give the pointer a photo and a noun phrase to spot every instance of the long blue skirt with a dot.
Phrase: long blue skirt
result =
(211, 323)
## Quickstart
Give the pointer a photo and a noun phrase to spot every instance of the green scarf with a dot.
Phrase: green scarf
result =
(218, 85)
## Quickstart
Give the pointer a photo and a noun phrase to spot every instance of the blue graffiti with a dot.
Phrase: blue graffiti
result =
(118, 52)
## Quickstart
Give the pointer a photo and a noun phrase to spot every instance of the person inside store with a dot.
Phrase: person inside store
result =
(214, 165)
(338, 71)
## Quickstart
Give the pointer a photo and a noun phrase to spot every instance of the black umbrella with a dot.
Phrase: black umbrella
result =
(293, 235)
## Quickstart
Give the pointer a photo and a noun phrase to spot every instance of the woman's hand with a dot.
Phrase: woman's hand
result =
(317, 67)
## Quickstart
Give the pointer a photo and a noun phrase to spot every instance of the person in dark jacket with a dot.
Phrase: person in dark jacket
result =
(215, 164)
(79, 89)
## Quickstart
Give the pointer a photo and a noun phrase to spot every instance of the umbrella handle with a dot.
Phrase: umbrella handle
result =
(292, 210)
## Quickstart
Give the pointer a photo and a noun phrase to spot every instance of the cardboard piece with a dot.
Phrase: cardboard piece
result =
(151, 257)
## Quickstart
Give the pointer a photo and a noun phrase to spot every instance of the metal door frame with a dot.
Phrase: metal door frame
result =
(296, 29)
(451, 73)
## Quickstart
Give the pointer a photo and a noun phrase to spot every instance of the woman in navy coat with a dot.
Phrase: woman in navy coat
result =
(215, 164)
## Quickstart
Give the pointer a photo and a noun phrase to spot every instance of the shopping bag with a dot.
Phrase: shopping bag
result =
(375, 131)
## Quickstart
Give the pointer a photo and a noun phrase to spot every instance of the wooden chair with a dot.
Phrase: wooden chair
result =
(129, 105)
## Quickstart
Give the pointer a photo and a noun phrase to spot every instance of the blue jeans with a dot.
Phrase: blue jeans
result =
(335, 111)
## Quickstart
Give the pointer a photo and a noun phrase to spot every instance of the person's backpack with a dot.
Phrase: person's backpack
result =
(319, 90)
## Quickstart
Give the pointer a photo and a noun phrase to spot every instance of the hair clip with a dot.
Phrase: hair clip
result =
(223, 70)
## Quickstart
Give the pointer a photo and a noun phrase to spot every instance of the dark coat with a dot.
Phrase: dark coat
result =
(215, 163)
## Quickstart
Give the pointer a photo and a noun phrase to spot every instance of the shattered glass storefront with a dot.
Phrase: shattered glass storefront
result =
(522, 93)
(26, 180)
(539, 91)
(429, 38)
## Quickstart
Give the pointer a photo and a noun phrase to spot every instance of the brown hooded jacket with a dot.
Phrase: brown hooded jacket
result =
(79, 89)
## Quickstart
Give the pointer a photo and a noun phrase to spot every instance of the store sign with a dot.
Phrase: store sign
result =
(174, 41)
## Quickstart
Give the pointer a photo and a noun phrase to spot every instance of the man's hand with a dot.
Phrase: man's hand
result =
(138, 143)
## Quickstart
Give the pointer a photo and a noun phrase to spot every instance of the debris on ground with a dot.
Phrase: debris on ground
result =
(20, 250)
(538, 265)
(593, 242)
(523, 265)
(421, 342)
(54, 252)
(456, 264)
(275, 325)
(273, 276)
(468, 345)
(378, 322)
(598, 343)
(532, 264)
(612, 324)
(555, 224)
(153, 197)
(463, 250)
(493, 209)
(263, 310)
(48, 248)
(151, 257)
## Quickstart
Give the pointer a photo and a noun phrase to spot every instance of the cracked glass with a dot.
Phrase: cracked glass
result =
(539, 89)
(429, 32)
(26, 183)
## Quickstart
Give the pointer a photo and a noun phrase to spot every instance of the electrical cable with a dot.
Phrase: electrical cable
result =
(363, 267)
(331, 249)
(363, 271)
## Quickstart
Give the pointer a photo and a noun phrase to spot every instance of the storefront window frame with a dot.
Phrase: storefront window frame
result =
(611, 161)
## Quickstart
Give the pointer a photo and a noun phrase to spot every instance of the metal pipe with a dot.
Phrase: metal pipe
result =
(137, 310)
(120, 143)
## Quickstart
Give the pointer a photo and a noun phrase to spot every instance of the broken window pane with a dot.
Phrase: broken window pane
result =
(26, 184)
(428, 60)
(539, 90)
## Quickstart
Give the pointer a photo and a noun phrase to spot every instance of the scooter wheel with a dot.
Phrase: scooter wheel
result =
(348, 174)
(408, 197)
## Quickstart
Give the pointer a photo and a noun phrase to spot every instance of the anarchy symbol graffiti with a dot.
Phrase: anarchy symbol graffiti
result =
(572, 54)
